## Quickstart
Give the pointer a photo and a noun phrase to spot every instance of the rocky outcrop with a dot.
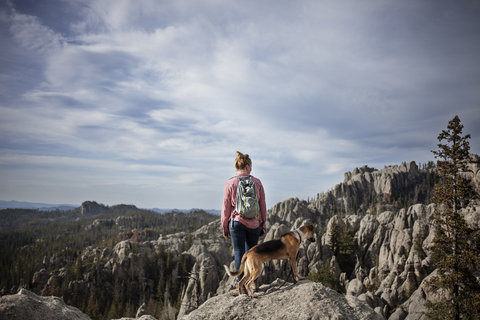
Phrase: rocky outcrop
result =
(304, 300)
(92, 208)
(209, 256)
(289, 211)
(365, 186)
(25, 305)
(100, 223)
(390, 243)
(413, 308)
(214, 228)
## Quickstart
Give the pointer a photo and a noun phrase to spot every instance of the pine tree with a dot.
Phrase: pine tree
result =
(334, 236)
(455, 248)
(346, 245)
(326, 276)
(78, 271)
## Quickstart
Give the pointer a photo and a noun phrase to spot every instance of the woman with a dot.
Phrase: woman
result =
(243, 232)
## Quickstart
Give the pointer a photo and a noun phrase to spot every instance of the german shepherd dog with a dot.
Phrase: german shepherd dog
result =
(284, 247)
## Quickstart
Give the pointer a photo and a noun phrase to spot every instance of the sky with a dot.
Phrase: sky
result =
(146, 102)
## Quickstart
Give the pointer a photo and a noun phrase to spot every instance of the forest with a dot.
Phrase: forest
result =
(32, 240)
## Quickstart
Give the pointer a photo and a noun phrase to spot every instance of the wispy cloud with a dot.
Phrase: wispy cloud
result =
(149, 101)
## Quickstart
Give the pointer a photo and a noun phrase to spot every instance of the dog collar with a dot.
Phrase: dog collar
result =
(299, 234)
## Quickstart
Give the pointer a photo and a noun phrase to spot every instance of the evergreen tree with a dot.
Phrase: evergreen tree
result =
(327, 277)
(334, 236)
(346, 245)
(151, 307)
(455, 248)
(78, 271)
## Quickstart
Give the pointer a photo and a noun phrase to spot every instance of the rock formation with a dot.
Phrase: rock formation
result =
(363, 187)
(26, 305)
(382, 279)
(209, 257)
(304, 300)
(390, 242)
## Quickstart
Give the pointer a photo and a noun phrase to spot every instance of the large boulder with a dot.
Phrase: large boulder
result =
(304, 300)
(26, 305)
(355, 288)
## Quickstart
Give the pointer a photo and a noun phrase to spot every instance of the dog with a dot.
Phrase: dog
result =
(284, 247)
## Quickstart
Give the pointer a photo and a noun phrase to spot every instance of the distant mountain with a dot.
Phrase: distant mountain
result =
(212, 211)
(31, 205)
(52, 207)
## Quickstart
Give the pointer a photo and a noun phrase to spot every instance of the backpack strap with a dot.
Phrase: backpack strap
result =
(242, 178)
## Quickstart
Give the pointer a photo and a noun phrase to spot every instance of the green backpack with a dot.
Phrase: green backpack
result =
(246, 201)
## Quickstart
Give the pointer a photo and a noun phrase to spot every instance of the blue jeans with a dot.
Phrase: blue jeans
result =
(243, 239)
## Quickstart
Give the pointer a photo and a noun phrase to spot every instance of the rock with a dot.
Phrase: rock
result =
(288, 211)
(213, 227)
(327, 237)
(92, 208)
(399, 314)
(368, 183)
(355, 288)
(386, 217)
(144, 317)
(276, 231)
(202, 282)
(142, 311)
(414, 308)
(304, 300)
(360, 273)
(40, 279)
(122, 249)
(26, 305)
(366, 233)
(354, 222)
(98, 223)
(372, 300)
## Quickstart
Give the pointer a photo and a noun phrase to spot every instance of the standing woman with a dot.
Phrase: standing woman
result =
(244, 232)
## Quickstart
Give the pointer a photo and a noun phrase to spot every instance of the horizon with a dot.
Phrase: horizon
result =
(163, 210)
(41, 205)
(147, 102)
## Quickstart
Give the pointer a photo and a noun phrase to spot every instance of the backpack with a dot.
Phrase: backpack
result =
(246, 201)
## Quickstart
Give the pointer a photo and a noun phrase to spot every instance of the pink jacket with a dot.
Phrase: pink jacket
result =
(228, 207)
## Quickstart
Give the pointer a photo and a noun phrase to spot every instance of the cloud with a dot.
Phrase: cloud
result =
(29, 32)
(124, 91)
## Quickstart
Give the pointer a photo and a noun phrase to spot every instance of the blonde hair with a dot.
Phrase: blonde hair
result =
(242, 160)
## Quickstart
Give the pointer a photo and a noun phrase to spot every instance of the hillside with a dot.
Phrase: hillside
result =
(52, 252)
(107, 264)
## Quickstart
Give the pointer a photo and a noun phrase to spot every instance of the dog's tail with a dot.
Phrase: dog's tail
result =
(238, 272)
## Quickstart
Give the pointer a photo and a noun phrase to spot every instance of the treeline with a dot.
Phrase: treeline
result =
(12, 219)
(57, 248)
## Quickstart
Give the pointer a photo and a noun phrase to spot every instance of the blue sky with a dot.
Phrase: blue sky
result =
(146, 102)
